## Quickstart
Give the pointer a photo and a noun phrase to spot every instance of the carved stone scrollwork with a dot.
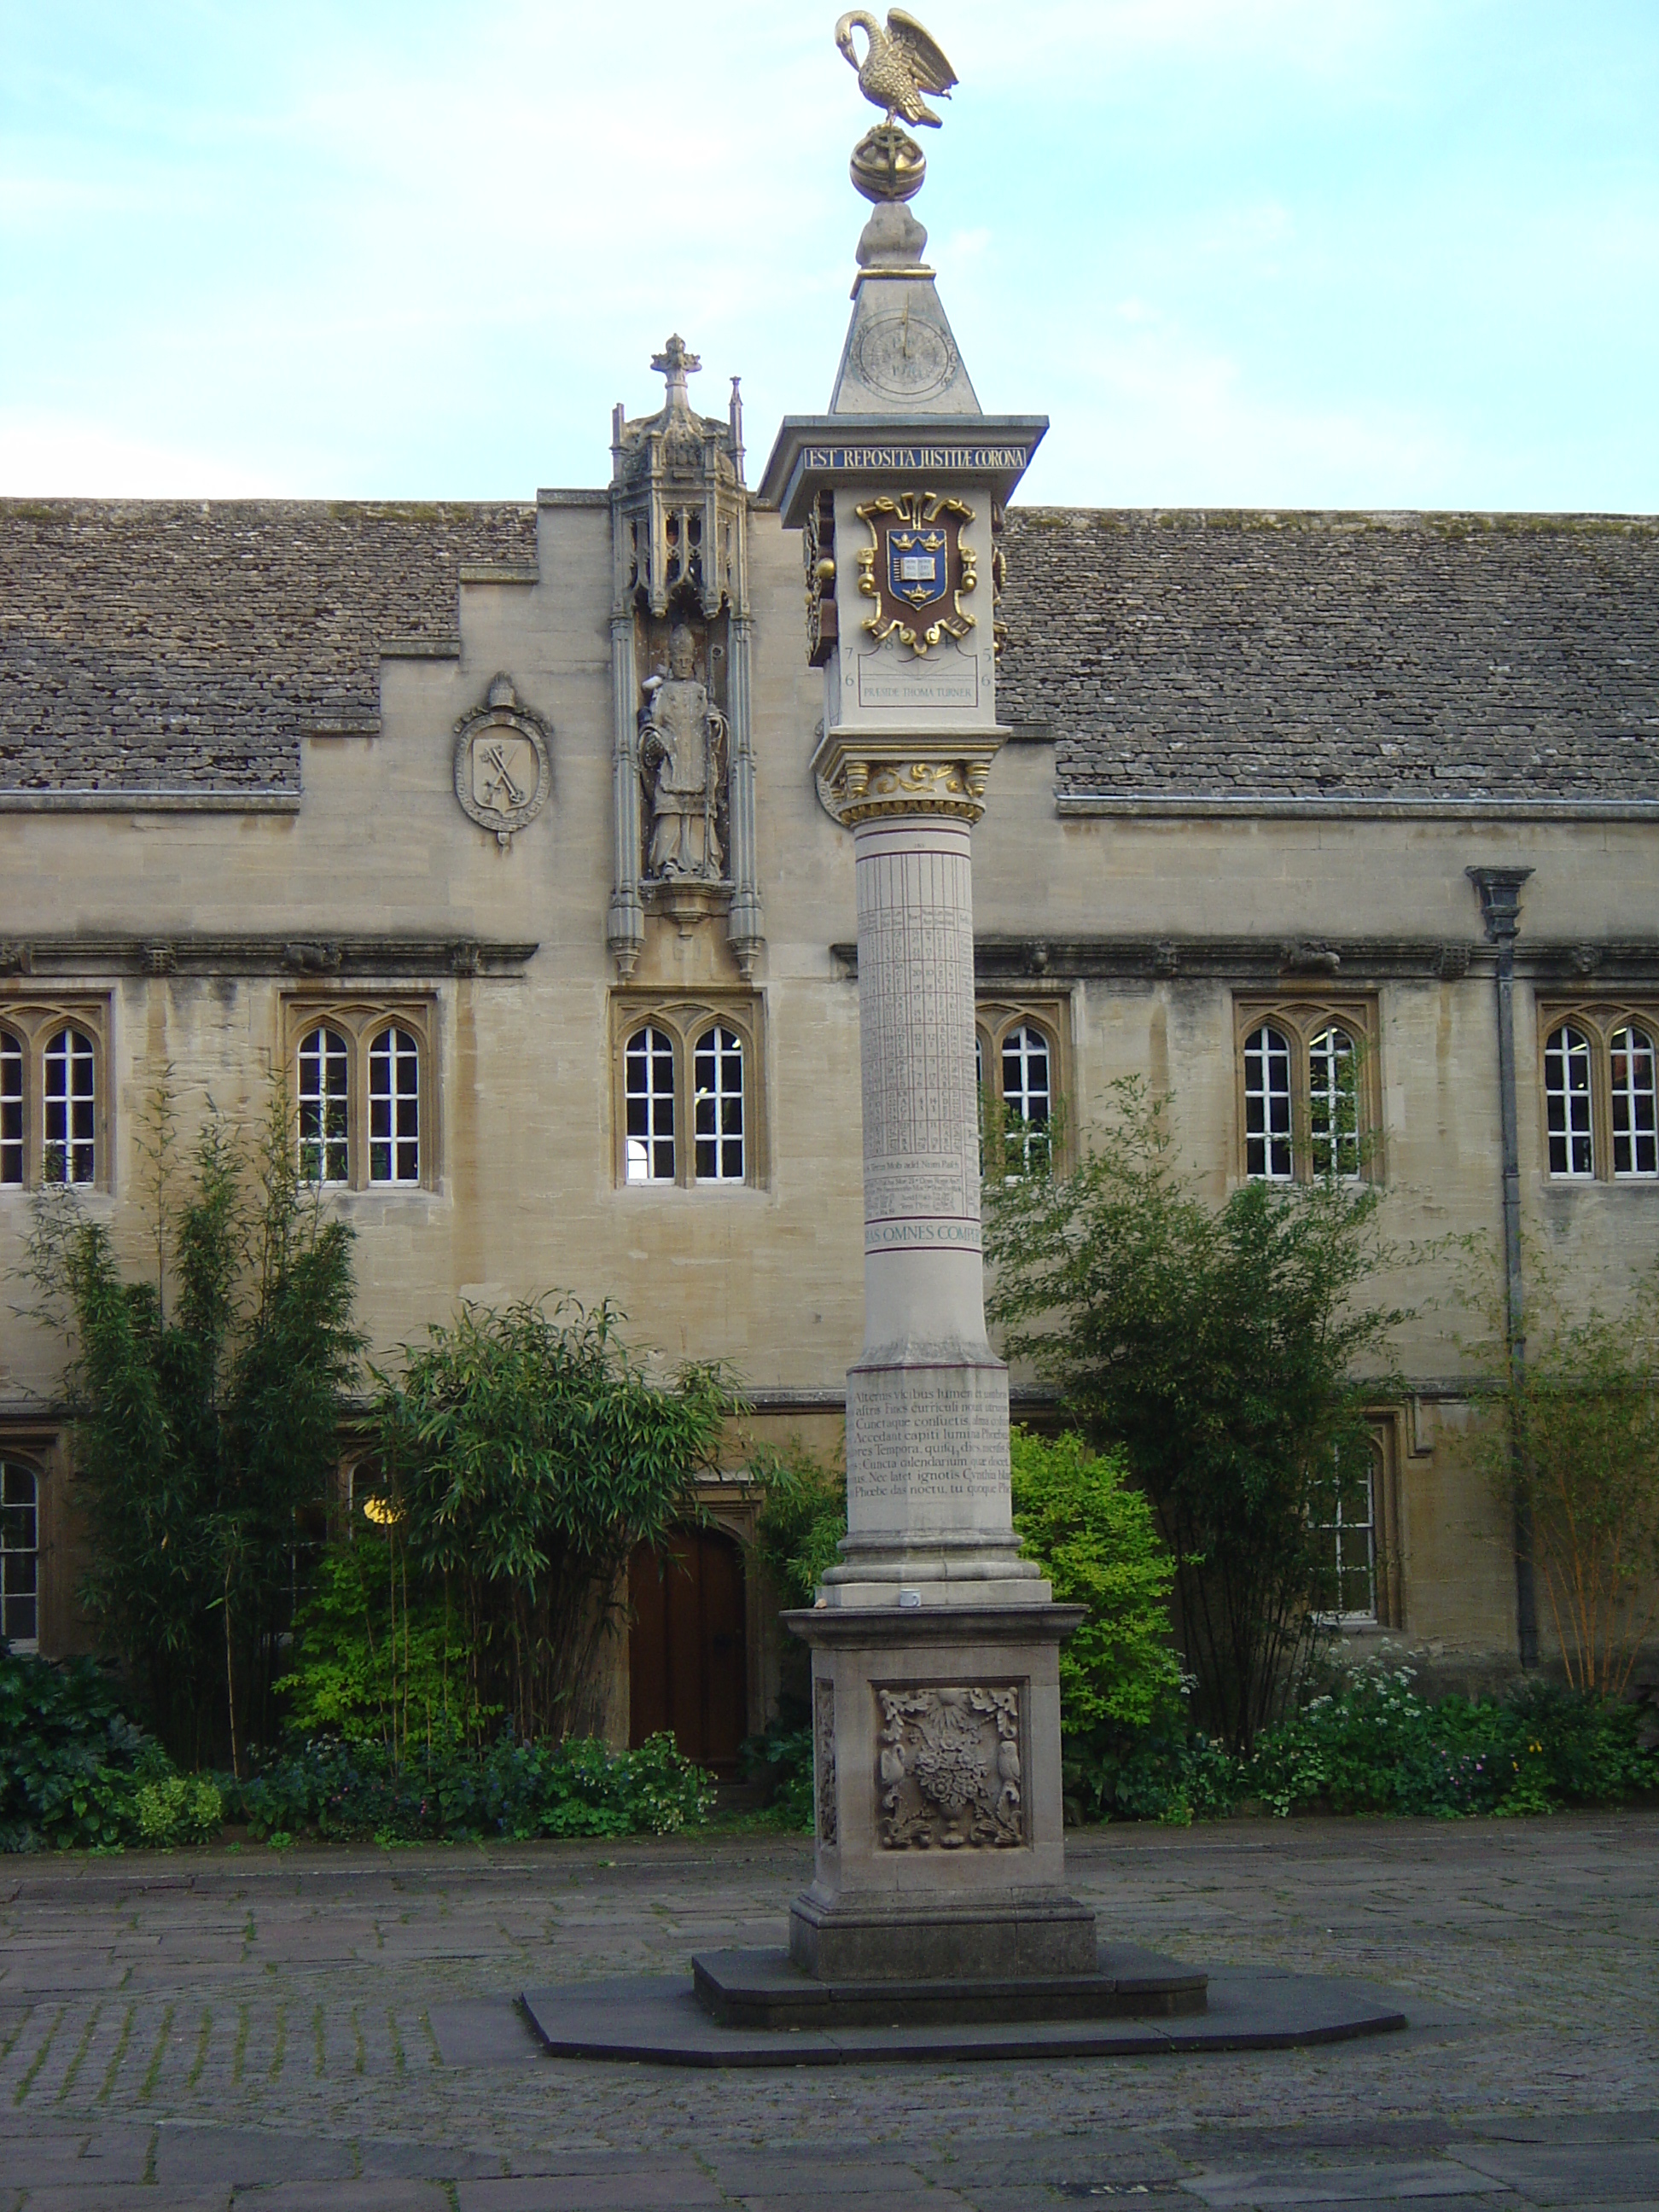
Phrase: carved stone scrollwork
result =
(948, 1768)
(818, 552)
(823, 1759)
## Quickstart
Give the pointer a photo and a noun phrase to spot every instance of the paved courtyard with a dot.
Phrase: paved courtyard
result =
(331, 2030)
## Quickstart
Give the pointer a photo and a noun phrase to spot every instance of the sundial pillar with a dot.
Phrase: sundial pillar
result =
(934, 1645)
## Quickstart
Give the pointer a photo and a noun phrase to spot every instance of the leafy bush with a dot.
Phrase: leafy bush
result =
(1376, 1746)
(77, 1775)
(1095, 1540)
(207, 1406)
(1573, 1446)
(358, 1792)
(1218, 1347)
(372, 1661)
(179, 1809)
(1121, 1683)
(801, 1521)
(783, 1758)
(525, 1454)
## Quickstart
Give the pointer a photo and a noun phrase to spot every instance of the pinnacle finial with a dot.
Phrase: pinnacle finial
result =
(675, 362)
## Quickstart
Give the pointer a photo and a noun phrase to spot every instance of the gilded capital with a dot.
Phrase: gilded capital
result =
(863, 774)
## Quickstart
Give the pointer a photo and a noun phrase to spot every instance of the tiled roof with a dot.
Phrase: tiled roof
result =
(1412, 657)
(164, 645)
(188, 646)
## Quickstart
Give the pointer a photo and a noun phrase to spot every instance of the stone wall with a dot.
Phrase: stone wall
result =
(1141, 931)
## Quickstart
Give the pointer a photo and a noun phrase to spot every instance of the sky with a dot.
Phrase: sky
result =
(1334, 253)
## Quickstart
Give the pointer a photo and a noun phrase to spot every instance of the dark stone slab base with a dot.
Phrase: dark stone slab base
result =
(768, 1990)
(656, 2020)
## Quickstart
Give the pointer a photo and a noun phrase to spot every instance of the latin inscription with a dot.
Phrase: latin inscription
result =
(863, 458)
(915, 1436)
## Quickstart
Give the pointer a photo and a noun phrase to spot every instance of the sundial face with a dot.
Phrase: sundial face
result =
(905, 358)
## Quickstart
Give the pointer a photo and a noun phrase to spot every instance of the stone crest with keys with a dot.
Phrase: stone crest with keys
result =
(503, 769)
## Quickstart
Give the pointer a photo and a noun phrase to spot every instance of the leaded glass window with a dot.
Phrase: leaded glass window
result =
(1635, 1131)
(1267, 1104)
(19, 1553)
(11, 1109)
(649, 1066)
(1345, 1535)
(70, 1102)
(394, 1108)
(325, 1124)
(1333, 1104)
(1027, 1096)
(1567, 1102)
(717, 1075)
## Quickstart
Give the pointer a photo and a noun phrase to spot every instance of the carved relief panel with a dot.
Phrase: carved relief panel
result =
(949, 1768)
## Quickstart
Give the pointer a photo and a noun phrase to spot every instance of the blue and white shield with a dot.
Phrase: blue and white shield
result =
(917, 566)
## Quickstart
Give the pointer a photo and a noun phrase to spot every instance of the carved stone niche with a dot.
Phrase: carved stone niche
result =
(684, 763)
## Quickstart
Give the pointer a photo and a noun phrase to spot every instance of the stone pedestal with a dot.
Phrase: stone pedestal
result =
(937, 1796)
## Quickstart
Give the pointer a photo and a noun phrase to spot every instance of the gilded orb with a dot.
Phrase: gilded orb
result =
(887, 164)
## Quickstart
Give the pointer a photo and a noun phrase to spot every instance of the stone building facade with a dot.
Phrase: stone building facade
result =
(492, 829)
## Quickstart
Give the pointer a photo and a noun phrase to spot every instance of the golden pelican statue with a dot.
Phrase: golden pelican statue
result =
(900, 64)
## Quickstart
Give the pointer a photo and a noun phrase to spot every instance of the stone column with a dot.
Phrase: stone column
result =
(928, 1512)
(935, 1647)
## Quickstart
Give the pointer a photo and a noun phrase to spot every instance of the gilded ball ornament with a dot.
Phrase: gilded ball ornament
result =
(887, 164)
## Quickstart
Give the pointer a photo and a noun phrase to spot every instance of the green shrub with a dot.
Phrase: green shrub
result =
(1375, 1747)
(358, 1792)
(525, 1454)
(1228, 1350)
(207, 1402)
(373, 1660)
(801, 1521)
(1121, 1687)
(1095, 1538)
(77, 1775)
(783, 1757)
(178, 1808)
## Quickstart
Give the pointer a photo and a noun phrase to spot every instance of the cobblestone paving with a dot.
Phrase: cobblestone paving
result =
(330, 2030)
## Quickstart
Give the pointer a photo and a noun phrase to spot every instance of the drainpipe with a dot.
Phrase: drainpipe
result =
(1500, 907)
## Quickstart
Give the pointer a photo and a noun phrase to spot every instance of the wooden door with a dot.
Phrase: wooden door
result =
(688, 1660)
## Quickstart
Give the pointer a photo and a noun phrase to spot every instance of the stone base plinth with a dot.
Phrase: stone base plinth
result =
(1006, 1936)
(939, 1850)
(766, 1988)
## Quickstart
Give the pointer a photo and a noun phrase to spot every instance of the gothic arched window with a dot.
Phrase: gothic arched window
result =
(12, 1139)
(717, 1101)
(1567, 1102)
(1630, 1068)
(394, 1108)
(649, 1063)
(325, 1110)
(1267, 1104)
(70, 1101)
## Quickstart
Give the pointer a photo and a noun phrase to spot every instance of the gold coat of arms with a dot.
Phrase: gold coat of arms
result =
(916, 567)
